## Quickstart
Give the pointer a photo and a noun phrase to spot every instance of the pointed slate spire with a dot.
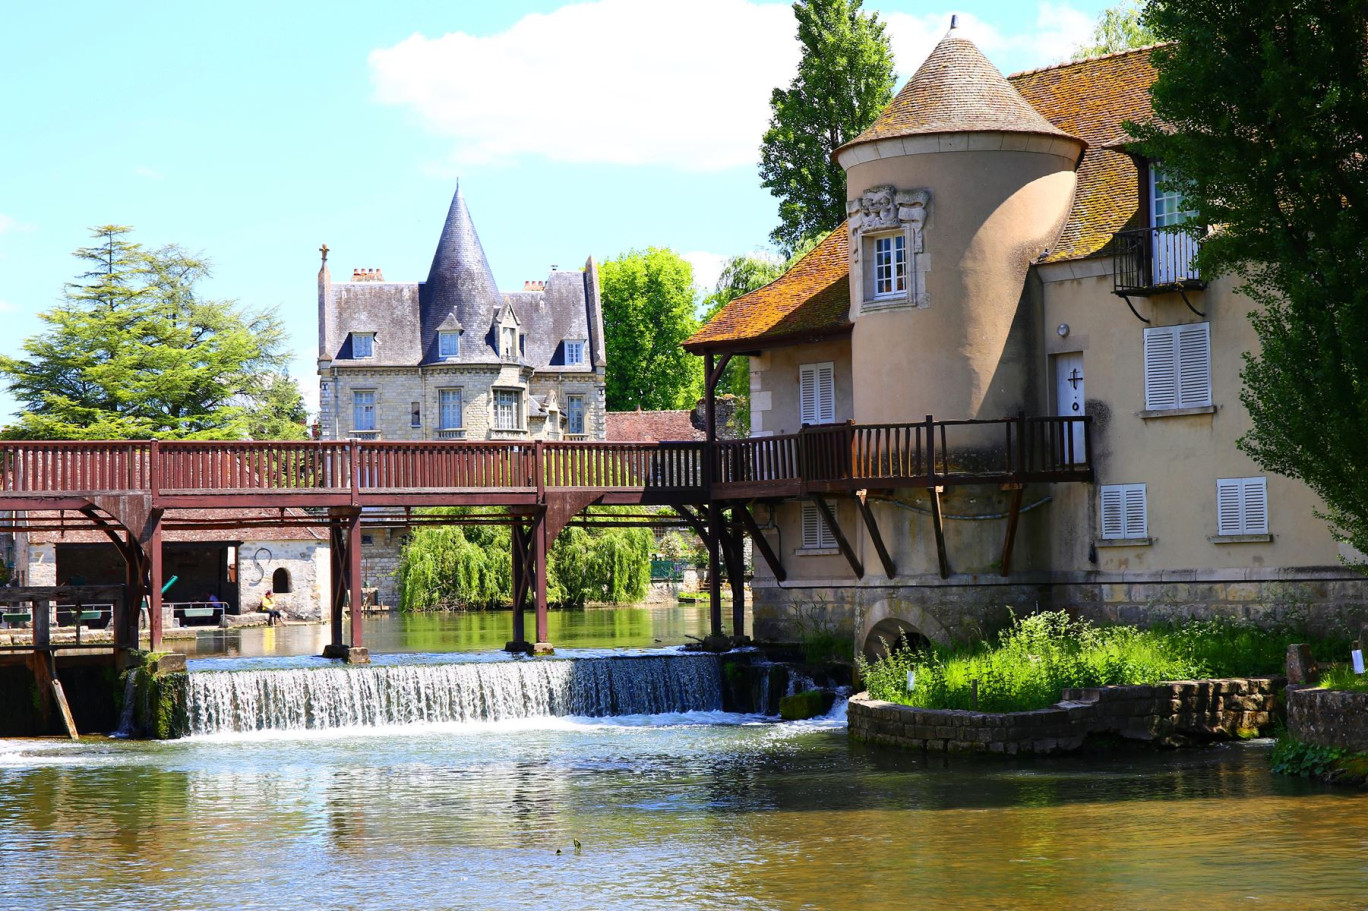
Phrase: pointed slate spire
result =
(460, 283)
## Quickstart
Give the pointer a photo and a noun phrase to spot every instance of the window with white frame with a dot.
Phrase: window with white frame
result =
(890, 265)
(817, 394)
(574, 352)
(574, 414)
(1242, 506)
(507, 409)
(1124, 514)
(1178, 366)
(363, 410)
(448, 344)
(449, 413)
(816, 535)
(363, 344)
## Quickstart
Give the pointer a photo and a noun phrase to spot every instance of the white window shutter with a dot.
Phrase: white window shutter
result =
(1229, 506)
(1255, 497)
(1113, 512)
(812, 527)
(1161, 368)
(1137, 518)
(1194, 365)
(826, 394)
(807, 394)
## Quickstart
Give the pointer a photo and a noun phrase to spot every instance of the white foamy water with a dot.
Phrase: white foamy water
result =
(434, 694)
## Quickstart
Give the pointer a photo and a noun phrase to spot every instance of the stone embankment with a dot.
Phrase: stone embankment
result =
(1165, 714)
(1328, 718)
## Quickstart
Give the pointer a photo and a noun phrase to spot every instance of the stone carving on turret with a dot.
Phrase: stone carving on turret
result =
(881, 212)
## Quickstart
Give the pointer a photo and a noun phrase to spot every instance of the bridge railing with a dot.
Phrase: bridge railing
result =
(62, 467)
(647, 466)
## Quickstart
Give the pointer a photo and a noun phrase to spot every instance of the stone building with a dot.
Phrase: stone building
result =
(1007, 251)
(455, 358)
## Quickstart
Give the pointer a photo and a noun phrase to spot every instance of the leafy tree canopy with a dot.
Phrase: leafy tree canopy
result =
(844, 80)
(1119, 28)
(648, 312)
(133, 352)
(1260, 116)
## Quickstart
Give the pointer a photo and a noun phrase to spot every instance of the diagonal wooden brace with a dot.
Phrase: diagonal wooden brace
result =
(761, 545)
(873, 528)
(847, 551)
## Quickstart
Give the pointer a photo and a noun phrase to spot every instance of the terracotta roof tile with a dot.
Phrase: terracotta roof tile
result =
(810, 300)
(651, 426)
(81, 533)
(957, 91)
(1092, 99)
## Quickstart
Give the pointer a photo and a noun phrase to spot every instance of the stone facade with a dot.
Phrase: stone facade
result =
(1328, 718)
(1165, 714)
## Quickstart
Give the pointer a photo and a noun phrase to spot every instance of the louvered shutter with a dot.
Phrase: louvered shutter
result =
(1254, 493)
(826, 394)
(1229, 506)
(807, 394)
(812, 527)
(1161, 368)
(1137, 519)
(1113, 512)
(1194, 365)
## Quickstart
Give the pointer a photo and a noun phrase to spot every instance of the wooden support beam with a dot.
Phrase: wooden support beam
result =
(1013, 514)
(519, 586)
(824, 509)
(540, 549)
(766, 552)
(714, 541)
(355, 597)
(736, 572)
(939, 523)
(873, 528)
(337, 582)
(152, 547)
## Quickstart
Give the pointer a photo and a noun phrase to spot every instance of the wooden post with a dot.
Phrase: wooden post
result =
(337, 582)
(540, 547)
(154, 584)
(354, 575)
(737, 572)
(519, 584)
(939, 523)
(42, 625)
(1013, 514)
(714, 569)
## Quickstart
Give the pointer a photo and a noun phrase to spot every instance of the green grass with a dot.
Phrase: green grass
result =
(1309, 760)
(1342, 677)
(1038, 656)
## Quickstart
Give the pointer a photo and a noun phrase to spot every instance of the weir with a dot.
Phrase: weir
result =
(381, 695)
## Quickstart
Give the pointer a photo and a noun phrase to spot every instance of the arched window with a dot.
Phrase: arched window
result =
(280, 581)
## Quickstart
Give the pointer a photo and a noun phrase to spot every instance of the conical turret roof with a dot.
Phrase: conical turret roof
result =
(957, 90)
(460, 289)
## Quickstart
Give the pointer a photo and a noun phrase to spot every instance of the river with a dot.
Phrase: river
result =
(694, 810)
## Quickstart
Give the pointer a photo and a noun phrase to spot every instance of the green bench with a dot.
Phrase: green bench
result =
(11, 618)
(211, 613)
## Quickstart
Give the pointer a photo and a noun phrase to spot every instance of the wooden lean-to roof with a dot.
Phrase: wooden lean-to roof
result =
(1088, 99)
(810, 301)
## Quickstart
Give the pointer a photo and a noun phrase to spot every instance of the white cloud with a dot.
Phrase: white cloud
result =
(647, 82)
(149, 173)
(9, 223)
(707, 268)
(7, 307)
(615, 81)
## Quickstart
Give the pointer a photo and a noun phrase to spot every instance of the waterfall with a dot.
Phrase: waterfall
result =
(334, 697)
(126, 716)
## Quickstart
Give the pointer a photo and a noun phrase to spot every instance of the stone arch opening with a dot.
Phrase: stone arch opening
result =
(280, 581)
(892, 633)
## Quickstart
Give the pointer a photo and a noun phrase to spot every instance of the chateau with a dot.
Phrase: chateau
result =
(455, 358)
(1008, 253)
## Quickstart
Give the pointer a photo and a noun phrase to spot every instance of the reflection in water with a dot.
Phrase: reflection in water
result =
(728, 815)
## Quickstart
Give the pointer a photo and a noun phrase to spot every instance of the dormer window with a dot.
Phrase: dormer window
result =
(890, 265)
(448, 344)
(510, 343)
(363, 344)
(574, 352)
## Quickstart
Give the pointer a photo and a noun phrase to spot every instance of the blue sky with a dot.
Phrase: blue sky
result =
(253, 132)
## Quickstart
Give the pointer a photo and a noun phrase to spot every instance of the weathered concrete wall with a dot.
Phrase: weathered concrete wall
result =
(305, 562)
(380, 549)
(1330, 718)
(1169, 714)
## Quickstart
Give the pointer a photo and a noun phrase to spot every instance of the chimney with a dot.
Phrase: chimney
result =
(534, 286)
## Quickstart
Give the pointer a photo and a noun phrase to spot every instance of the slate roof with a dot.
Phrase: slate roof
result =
(460, 294)
(809, 301)
(1090, 99)
(956, 90)
(652, 426)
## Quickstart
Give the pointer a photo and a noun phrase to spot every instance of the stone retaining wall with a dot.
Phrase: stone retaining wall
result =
(1330, 718)
(1168, 714)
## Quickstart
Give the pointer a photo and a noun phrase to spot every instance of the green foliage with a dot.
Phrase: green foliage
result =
(133, 352)
(818, 635)
(741, 274)
(648, 312)
(801, 706)
(470, 567)
(1119, 28)
(1306, 760)
(1260, 109)
(1040, 655)
(1342, 677)
(844, 79)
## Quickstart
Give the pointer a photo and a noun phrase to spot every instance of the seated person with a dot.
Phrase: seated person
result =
(213, 600)
(268, 608)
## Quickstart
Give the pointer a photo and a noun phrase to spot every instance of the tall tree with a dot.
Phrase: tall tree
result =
(1119, 28)
(648, 311)
(133, 352)
(845, 78)
(741, 275)
(1260, 116)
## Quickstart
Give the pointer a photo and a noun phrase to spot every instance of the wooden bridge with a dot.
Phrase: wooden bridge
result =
(131, 491)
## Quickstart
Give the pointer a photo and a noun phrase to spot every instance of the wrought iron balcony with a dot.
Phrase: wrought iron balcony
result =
(1153, 261)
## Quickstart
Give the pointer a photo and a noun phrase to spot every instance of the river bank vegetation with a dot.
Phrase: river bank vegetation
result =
(1038, 656)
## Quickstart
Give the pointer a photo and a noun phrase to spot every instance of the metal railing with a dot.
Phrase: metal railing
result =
(1150, 260)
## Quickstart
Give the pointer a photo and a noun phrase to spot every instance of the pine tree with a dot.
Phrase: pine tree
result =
(844, 80)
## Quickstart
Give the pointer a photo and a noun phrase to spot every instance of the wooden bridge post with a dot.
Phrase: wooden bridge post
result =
(354, 582)
(540, 547)
(337, 547)
(519, 641)
(154, 584)
(711, 374)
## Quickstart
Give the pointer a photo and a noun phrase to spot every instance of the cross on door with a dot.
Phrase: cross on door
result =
(1074, 378)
